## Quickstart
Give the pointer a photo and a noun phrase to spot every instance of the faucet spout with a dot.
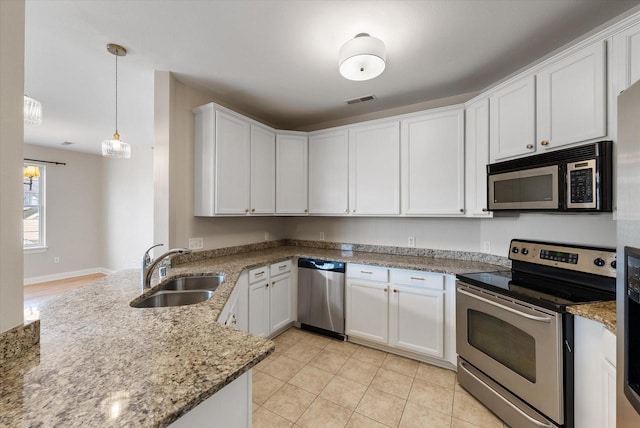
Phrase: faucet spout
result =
(149, 265)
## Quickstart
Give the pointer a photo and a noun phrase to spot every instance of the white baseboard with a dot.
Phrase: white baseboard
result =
(65, 275)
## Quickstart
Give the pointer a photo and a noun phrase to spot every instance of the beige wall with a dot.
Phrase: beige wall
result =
(73, 213)
(127, 198)
(11, 136)
(173, 216)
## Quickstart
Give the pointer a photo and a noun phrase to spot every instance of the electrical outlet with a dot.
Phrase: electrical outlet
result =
(196, 243)
(486, 247)
(56, 259)
(266, 236)
(412, 241)
(322, 236)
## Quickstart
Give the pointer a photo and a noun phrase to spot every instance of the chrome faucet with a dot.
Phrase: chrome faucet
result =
(148, 264)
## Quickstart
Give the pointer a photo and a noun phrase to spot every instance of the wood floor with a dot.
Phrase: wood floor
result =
(36, 294)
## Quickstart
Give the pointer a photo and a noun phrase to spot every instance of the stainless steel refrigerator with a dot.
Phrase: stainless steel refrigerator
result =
(628, 235)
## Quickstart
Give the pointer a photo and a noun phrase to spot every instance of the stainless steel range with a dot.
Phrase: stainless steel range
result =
(514, 337)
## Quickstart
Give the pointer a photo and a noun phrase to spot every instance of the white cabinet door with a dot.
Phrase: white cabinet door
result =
(626, 58)
(608, 394)
(204, 161)
(476, 158)
(571, 98)
(416, 320)
(259, 309)
(374, 169)
(280, 295)
(367, 310)
(233, 139)
(263, 171)
(329, 173)
(433, 163)
(512, 120)
(291, 174)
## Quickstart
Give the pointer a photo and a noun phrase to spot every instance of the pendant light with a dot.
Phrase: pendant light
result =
(362, 58)
(115, 147)
(32, 111)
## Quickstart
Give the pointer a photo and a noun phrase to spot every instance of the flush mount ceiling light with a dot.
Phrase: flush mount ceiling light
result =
(116, 148)
(32, 111)
(362, 58)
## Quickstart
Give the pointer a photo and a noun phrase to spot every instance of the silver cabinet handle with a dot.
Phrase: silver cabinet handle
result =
(529, 146)
(260, 273)
(366, 273)
(506, 308)
(282, 267)
(417, 278)
(513, 406)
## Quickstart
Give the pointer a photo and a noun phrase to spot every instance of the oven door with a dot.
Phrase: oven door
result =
(529, 189)
(516, 344)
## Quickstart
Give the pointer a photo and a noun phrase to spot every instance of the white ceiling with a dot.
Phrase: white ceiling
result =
(276, 60)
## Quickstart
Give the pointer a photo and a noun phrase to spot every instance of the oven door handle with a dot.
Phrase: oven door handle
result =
(506, 308)
(513, 406)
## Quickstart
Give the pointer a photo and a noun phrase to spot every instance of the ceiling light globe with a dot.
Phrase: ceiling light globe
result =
(116, 148)
(362, 58)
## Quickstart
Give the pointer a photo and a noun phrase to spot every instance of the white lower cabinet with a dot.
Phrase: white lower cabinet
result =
(236, 311)
(231, 407)
(272, 291)
(402, 310)
(594, 374)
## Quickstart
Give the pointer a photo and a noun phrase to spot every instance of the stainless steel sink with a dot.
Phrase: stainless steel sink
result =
(174, 298)
(209, 282)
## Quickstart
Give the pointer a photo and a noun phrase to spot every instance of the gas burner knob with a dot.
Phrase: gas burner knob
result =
(525, 251)
(515, 250)
(599, 262)
(613, 264)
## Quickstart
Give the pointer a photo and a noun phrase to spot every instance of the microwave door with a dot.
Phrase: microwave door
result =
(529, 189)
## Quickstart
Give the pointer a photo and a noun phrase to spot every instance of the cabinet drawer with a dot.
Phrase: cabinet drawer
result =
(280, 268)
(417, 278)
(371, 273)
(258, 274)
(609, 346)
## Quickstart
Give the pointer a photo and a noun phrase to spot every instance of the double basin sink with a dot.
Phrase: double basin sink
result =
(182, 291)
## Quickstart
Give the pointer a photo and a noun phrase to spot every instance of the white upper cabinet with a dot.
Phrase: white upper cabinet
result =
(476, 158)
(433, 163)
(263, 171)
(374, 169)
(291, 174)
(512, 119)
(571, 98)
(232, 166)
(329, 173)
(626, 58)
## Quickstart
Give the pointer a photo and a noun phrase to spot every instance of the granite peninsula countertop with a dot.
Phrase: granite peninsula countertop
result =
(101, 362)
(602, 312)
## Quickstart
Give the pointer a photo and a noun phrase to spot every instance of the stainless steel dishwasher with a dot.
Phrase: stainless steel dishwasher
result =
(321, 296)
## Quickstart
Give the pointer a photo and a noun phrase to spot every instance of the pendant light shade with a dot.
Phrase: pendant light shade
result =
(115, 147)
(32, 111)
(362, 58)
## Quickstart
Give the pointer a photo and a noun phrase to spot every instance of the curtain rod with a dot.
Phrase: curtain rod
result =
(44, 161)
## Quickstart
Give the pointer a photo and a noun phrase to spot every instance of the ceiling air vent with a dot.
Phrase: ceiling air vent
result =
(360, 99)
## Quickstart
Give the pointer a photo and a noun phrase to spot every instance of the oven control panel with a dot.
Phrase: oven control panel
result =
(599, 261)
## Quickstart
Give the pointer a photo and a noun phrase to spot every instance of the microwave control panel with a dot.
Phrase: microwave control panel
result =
(581, 182)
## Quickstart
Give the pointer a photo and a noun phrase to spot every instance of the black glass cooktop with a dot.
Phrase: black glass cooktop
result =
(541, 291)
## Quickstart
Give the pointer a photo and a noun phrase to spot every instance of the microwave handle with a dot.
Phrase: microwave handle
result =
(513, 406)
(506, 308)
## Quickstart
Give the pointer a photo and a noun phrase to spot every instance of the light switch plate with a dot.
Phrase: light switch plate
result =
(196, 243)
(322, 236)
(411, 241)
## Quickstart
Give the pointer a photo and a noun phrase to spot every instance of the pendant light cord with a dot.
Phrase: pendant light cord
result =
(116, 92)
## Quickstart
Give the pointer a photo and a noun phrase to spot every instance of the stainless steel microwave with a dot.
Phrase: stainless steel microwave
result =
(577, 179)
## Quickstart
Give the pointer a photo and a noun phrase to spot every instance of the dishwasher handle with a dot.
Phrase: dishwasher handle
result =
(325, 265)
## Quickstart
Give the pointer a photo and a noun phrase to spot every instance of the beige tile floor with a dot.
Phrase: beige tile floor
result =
(314, 381)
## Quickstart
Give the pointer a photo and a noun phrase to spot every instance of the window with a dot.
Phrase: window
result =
(33, 212)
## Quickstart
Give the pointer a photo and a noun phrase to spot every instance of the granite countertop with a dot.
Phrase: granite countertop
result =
(603, 312)
(101, 362)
